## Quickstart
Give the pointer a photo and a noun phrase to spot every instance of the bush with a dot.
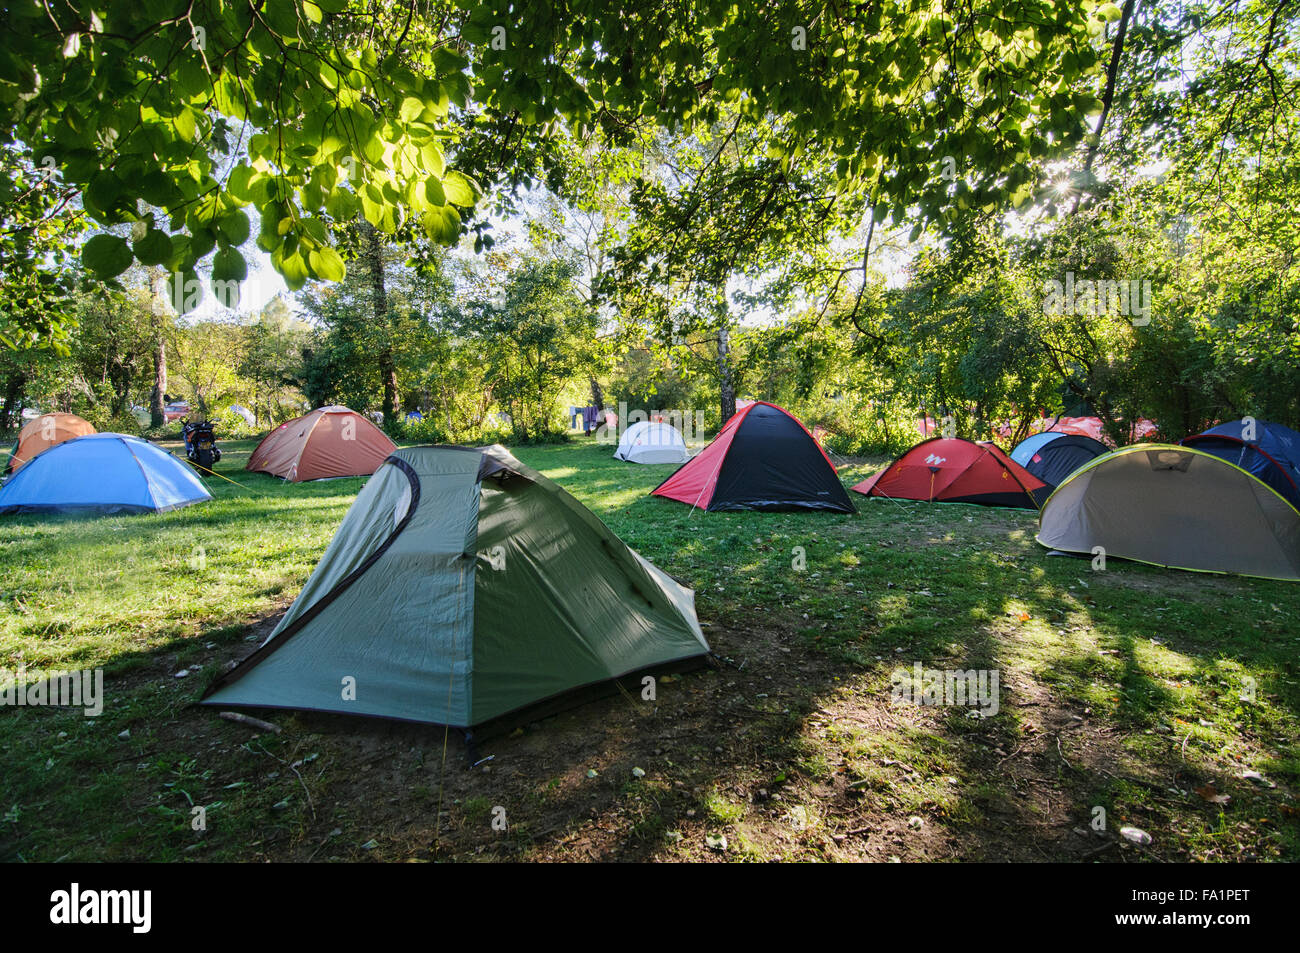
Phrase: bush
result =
(423, 431)
(231, 426)
(105, 422)
(126, 423)
(861, 429)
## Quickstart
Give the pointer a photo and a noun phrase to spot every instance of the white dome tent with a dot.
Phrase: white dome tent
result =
(652, 442)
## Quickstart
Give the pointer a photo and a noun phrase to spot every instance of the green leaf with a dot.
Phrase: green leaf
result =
(106, 193)
(327, 264)
(432, 158)
(185, 125)
(158, 190)
(341, 205)
(107, 255)
(155, 248)
(442, 225)
(229, 265)
(240, 183)
(460, 189)
(411, 108)
(294, 271)
(234, 228)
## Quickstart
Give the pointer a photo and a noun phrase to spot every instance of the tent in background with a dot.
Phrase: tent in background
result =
(102, 473)
(41, 433)
(1178, 507)
(1026, 448)
(328, 442)
(1272, 453)
(762, 459)
(462, 586)
(1053, 456)
(244, 414)
(953, 470)
(652, 442)
(1140, 429)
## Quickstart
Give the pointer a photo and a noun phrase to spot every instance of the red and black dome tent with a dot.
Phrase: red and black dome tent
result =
(762, 459)
(953, 470)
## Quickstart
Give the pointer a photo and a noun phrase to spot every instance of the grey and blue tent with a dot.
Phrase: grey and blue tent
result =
(1174, 506)
(463, 586)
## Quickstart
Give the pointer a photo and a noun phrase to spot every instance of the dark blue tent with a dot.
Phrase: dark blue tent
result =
(1054, 456)
(102, 473)
(1265, 450)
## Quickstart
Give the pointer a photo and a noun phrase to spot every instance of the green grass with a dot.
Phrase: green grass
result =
(1121, 689)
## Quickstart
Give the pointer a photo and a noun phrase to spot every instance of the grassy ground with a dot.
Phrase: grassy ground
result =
(1167, 701)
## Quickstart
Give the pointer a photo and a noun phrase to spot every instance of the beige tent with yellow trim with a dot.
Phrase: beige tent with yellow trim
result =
(328, 442)
(1177, 507)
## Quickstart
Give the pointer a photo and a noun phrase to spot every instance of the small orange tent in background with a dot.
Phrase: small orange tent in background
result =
(41, 433)
(328, 442)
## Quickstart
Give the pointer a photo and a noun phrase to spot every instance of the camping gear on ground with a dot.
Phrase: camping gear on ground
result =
(762, 459)
(102, 473)
(42, 432)
(954, 470)
(1174, 506)
(200, 444)
(1268, 451)
(462, 586)
(328, 442)
(652, 442)
(1053, 456)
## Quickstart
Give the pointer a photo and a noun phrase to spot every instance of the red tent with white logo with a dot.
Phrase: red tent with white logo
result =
(953, 470)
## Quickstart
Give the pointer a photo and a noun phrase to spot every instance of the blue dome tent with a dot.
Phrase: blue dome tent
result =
(1053, 456)
(1032, 444)
(102, 473)
(1272, 456)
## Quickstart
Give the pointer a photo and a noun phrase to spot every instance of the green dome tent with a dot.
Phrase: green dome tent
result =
(462, 586)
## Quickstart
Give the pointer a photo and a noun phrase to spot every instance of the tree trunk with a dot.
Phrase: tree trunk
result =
(157, 413)
(15, 387)
(373, 253)
(726, 390)
(158, 392)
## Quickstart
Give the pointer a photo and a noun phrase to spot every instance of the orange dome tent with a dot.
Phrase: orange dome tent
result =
(328, 442)
(41, 433)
